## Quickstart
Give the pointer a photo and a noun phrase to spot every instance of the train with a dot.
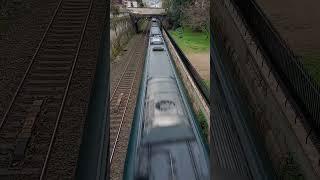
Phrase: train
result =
(165, 140)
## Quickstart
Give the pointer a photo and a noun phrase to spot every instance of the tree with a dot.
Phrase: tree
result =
(196, 15)
(174, 10)
(115, 9)
(140, 3)
(188, 13)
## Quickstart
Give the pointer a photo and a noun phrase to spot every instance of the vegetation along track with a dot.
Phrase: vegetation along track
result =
(30, 123)
(123, 91)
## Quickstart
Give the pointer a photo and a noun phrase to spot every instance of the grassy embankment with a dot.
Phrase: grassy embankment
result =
(192, 43)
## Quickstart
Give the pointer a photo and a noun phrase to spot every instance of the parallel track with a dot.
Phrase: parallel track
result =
(30, 123)
(120, 97)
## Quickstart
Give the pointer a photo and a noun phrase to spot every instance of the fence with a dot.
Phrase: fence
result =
(281, 136)
(195, 75)
(301, 87)
(232, 109)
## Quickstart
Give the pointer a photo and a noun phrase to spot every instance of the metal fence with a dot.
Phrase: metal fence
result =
(301, 87)
(232, 109)
(195, 75)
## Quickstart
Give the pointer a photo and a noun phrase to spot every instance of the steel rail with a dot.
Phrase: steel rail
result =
(126, 106)
(118, 83)
(65, 94)
(29, 66)
(115, 90)
(123, 115)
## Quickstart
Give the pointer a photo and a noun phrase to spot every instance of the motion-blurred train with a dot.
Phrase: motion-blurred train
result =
(165, 141)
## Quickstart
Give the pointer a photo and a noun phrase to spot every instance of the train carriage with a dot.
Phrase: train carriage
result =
(165, 142)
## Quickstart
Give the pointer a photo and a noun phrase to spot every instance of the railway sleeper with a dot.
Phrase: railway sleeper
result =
(48, 91)
(48, 76)
(65, 44)
(24, 171)
(73, 16)
(53, 68)
(52, 71)
(75, 26)
(68, 44)
(74, 6)
(72, 24)
(114, 124)
(66, 19)
(75, 2)
(65, 32)
(54, 65)
(58, 51)
(74, 10)
(57, 57)
(118, 103)
(47, 81)
(74, 37)
(47, 84)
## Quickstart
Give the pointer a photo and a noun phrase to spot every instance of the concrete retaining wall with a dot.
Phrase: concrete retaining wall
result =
(196, 98)
(121, 30)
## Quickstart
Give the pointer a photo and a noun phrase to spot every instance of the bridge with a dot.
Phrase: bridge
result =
(138, 13)
(147, 12)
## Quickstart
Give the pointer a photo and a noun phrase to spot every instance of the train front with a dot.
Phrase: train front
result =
(167, 143)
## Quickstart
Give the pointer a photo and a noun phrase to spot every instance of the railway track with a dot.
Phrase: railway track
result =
(30, 123)
(121, 96)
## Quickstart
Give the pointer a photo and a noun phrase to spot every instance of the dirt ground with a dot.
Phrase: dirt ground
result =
(201, 62)
(297, 21)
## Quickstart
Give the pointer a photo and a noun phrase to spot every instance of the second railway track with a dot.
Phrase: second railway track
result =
(121, 100)
(120, 97)
(29, 126)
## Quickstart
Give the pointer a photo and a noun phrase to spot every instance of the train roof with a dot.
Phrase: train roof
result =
(169, 146)
(156, 40)
(155, 30)
(154, 24)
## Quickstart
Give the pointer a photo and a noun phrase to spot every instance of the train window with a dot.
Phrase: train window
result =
(158, 49)
(165, 105)
(155, 31)
(156, 40)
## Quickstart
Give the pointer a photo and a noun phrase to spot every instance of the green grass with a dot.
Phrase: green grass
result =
(203, 125)
(311, 62)
(189, 41)
(207, 83)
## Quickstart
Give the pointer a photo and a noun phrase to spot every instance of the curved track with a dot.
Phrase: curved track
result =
(29, 126)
